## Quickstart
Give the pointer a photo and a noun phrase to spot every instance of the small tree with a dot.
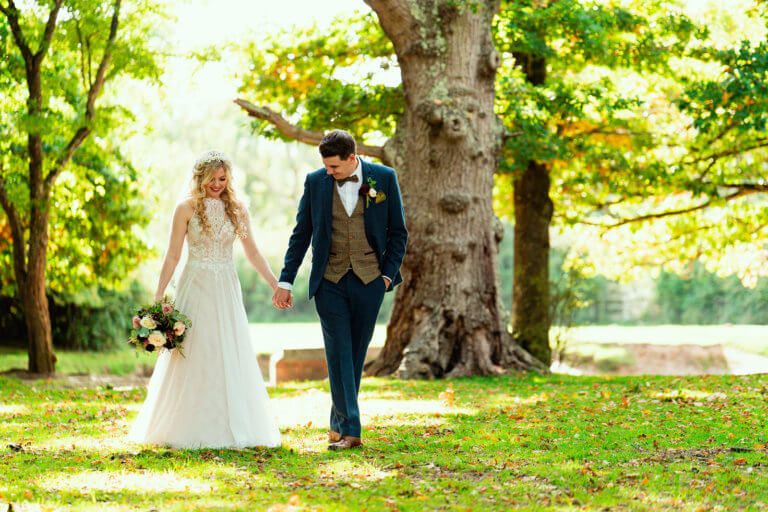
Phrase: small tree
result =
(53, 71)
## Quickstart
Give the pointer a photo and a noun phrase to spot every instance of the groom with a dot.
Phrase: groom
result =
(352, 214)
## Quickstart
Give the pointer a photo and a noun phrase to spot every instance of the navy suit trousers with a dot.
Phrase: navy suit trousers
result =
(347, 311)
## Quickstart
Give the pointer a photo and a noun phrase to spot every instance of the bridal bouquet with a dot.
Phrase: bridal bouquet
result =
(159, 325)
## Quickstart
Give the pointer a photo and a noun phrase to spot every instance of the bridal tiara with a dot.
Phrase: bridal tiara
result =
(210, 156)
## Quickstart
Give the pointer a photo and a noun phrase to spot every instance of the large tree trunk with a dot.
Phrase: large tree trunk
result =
(36, 312)
(38, 320)
(447, 318)
(533, 213)
(530, 300)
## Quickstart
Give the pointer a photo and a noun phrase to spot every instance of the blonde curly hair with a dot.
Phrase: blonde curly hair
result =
(203, 172)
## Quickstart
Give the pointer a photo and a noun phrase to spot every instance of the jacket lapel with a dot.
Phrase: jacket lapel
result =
(327, 196)
(367, 172)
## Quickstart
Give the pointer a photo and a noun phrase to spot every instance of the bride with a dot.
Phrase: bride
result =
(213, 395)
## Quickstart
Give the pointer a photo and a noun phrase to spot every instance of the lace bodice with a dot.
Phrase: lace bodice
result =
(212, 248)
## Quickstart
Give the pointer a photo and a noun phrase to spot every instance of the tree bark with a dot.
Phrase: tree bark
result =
(533, 214)
(32, 290)
(36, 312)
(447, 319)
(530, 296)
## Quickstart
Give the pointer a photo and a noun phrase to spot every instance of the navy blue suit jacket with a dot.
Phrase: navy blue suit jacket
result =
(384, 225)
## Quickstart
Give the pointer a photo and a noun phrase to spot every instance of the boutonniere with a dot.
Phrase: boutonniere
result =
(368, 190)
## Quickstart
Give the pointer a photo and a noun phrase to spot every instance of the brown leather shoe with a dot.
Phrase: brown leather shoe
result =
(346, 443)
(333, 437)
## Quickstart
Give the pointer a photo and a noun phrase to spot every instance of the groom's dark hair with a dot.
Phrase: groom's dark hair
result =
(337, 143)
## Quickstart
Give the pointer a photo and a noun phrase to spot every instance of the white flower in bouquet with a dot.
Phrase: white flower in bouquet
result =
(148, 322)
(372, 193)
(178, 328)
(156, 338)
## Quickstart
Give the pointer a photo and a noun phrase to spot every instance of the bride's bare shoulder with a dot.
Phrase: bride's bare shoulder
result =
(186, 208)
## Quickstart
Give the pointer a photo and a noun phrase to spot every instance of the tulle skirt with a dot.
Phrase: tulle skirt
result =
(213, 395)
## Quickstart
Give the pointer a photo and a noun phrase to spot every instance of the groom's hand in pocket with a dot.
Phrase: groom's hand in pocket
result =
(282, 298)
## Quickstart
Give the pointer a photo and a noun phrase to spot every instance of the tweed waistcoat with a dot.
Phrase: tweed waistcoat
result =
(349, 246)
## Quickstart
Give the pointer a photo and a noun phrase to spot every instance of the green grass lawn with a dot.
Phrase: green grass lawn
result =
(119, 362)
(525, 442)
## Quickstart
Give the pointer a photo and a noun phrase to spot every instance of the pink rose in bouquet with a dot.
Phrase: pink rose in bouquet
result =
(159, 325)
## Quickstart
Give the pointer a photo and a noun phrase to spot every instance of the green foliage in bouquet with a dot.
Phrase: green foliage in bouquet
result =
(159, 325)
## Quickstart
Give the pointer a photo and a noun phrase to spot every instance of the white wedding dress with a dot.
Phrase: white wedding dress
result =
(213, 395)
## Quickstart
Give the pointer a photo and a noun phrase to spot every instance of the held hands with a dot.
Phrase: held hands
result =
(282, 298)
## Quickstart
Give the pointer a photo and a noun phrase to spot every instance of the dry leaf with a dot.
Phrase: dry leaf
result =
(447, 397)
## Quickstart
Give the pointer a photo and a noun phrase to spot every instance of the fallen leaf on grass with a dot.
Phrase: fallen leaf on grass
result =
(447, 397)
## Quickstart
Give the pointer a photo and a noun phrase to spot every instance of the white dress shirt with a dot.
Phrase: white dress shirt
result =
(349, 193)
(349, 190)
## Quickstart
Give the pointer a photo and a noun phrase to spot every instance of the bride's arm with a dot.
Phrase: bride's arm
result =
(253, 254)
(178, 230)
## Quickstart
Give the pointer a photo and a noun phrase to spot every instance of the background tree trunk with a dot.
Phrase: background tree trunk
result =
(36, 312)
(447, 318)
(32, 292)
(533, 213)
(530, 296)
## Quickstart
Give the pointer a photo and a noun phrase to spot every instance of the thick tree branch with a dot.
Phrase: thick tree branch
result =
(299, 134)
(84, 131)
(50, 27)
(12, 14)
(397, 21)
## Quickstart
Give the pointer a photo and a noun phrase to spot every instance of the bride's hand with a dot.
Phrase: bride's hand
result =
(282, 298)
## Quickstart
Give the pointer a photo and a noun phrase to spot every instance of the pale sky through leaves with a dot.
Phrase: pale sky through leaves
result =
(216, 21)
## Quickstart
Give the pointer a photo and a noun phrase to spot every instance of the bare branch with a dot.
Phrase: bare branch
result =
(680, 235)
(730, 126)
(759, 143)
(50, 26)
(299, 134)
(747, 187)
(670, 213)
(86, 83)
(12, 13)
(69, 151)
(98, 81)
(90, 108)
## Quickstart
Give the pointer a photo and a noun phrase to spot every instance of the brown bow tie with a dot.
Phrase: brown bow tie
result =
(353, 179)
